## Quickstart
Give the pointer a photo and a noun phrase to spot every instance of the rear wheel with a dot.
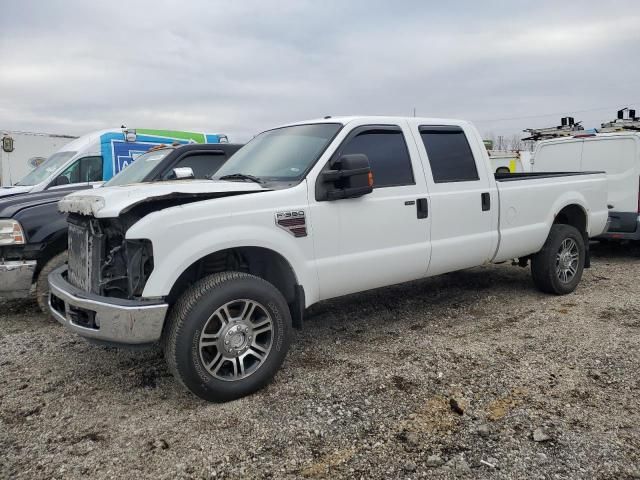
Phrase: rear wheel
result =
(557, 268)
(42, 282)
(227, 336)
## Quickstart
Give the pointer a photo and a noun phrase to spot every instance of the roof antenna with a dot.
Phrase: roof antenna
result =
(414, 111)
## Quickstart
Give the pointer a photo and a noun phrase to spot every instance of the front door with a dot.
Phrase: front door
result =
(377, 239)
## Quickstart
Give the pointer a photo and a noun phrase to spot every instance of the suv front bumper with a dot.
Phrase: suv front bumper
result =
(112, 320)
(16, 278)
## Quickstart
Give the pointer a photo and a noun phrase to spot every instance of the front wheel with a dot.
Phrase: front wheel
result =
(227, 335)
(42, 282)
(557, 268)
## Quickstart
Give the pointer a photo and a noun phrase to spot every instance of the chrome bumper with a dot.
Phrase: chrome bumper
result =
(16, 278)
(111, 320)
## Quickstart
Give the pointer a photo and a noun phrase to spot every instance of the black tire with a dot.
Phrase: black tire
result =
(42, 282)
(189, 318)
(503, 170)
(544, 264)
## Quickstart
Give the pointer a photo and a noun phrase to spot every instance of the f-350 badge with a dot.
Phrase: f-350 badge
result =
(293, 222)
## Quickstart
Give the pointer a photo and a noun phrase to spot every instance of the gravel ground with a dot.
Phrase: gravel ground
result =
(473, 374)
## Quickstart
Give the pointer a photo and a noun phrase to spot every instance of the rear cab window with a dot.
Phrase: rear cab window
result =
(449, 154)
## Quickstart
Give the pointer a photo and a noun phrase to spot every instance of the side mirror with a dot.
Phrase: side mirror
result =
(61, 180)
(350, 177)
(181, 173)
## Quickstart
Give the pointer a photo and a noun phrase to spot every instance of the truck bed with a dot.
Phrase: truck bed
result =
(527, 209)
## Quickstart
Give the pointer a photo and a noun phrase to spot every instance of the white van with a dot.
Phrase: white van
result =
(98, 156)
(617, 154)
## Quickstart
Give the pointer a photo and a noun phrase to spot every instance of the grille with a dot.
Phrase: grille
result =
(79, 255)
(85, 252)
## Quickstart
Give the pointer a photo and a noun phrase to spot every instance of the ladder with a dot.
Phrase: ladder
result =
(568, 126)
(626, 120)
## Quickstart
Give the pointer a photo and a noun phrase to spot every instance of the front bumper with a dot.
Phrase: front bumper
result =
(16, 278)
(112, 320)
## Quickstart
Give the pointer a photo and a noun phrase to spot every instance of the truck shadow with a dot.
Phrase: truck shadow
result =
(615, 250)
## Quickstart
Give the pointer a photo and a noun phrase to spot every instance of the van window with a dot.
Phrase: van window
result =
(86, 169)
(387, 153)
(558, 157)
(450, 156)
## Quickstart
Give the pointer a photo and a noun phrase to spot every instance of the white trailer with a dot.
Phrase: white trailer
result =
(21, 152)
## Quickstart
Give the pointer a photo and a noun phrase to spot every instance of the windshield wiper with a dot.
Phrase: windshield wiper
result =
(241, 176)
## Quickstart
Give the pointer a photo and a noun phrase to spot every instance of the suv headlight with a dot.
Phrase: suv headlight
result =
(11, 233)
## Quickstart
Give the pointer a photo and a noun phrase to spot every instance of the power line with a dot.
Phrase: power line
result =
(554, 114)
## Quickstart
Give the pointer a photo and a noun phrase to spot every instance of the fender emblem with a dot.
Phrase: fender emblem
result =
(293, 222)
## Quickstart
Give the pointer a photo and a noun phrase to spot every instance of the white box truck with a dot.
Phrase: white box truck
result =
(21, 152)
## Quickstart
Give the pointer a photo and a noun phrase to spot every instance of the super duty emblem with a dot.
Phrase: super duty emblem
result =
(293, 222)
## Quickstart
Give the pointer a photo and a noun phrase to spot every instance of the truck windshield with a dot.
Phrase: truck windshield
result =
(283, 154)
(44, 171)
(140, 168)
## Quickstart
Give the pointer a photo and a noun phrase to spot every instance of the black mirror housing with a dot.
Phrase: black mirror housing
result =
(349, 177)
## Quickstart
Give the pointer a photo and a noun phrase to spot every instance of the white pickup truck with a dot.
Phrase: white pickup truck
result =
(220, 271)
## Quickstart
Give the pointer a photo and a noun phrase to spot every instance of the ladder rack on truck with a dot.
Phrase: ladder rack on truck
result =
(626, 120)
(568, 127)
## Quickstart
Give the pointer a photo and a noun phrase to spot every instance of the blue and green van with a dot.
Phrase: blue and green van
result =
(96, 157)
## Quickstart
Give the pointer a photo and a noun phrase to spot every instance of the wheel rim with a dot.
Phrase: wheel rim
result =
(567, 260)
(236, 340)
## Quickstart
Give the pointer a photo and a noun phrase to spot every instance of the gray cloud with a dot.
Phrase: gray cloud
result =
(239, 67)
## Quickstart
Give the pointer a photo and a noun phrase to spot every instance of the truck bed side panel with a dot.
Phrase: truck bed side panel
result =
(530, 203)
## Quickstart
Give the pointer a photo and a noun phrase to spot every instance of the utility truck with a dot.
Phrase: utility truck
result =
(220, 271)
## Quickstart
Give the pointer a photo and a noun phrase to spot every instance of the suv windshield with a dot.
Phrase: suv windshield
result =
(44, 171)
(282, 154)
(140, 168)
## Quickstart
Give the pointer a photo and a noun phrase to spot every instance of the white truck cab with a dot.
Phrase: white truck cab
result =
(617, 154)
(219, 271)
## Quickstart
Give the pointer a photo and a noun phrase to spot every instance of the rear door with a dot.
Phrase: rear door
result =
(619, 157)
(463, 199)
(380, 238)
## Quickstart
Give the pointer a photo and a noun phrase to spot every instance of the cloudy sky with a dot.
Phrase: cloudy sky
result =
(242, 66)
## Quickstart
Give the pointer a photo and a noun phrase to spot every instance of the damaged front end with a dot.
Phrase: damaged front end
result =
(102, 261)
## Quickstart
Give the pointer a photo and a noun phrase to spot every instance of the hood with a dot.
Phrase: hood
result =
(10, 205)
(14, 190)
(109, 202)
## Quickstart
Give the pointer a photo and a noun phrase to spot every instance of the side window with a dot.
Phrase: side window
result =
(203, 164)
(387, 153)
(91, 169)
(86, 169)
(449, 154)
(70, 175)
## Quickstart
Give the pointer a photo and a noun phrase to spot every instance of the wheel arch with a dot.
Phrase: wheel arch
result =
(262, 262)
(575, 215)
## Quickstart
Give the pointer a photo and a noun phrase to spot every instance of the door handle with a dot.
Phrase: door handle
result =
(422, 207)
(486, 201)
